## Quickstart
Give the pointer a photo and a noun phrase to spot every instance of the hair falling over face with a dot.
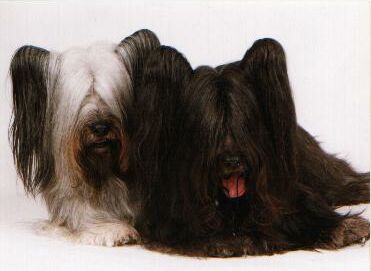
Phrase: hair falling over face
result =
(224, 167)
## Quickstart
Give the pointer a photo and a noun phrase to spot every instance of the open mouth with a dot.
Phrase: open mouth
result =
(234, 185)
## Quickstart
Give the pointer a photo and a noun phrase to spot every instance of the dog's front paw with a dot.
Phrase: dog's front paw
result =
(222, 247)
(52, 229)
(108, 234)
(220, 251)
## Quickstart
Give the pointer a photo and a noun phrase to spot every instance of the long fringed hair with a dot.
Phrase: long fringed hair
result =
(70, 133)
(183, 119)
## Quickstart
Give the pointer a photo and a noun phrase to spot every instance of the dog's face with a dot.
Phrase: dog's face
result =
(228, 143)
(227, 125)
(93, 95)
(100, 144)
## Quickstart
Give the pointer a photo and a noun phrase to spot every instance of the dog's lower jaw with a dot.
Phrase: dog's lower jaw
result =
(103, 219)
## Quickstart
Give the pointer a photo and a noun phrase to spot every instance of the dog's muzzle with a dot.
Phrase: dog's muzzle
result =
(233, 170)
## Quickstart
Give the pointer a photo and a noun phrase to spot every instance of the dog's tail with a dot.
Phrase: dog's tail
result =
(353, 189)
(329, 175)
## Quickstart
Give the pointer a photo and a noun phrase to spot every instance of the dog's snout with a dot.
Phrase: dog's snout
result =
(100, 129)
(232, 161)
(232, 164)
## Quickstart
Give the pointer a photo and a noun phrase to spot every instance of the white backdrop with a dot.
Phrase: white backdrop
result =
(327, 48)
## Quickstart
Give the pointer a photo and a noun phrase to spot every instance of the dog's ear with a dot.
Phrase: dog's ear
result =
(29, 72)
(264, 64)
(134, 50)
(165, 75)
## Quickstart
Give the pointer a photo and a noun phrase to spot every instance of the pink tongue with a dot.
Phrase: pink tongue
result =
(234, 186)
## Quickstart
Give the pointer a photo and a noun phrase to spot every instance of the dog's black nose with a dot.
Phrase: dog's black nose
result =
(100, 129)
(232, 161)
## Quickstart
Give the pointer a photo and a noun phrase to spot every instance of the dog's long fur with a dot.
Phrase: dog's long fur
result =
(186, 120)
(70, 134)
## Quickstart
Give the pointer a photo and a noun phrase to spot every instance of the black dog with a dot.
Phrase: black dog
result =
(225, 169)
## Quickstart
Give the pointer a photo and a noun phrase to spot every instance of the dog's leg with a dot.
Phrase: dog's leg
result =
(352, 230)
(331, 177)
(105, 219)
(100, 233)
(106, 233)
(83, 224)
